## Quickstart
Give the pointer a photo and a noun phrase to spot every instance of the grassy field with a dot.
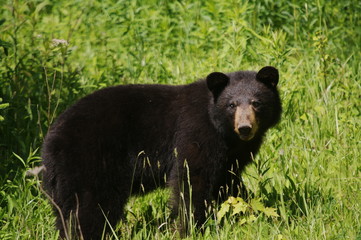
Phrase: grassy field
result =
(309, 168)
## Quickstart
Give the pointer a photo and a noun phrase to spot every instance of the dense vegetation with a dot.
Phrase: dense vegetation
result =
(308, 173)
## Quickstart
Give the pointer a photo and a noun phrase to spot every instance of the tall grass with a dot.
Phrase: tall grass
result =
(309, 168)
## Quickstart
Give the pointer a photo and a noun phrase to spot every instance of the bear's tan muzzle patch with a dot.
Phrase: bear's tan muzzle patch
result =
(245, 122)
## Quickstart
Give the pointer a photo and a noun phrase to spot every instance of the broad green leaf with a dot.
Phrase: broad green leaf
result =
(224, 209)
(257, 205)
(241, 206)
(270, 212)
(232, 200)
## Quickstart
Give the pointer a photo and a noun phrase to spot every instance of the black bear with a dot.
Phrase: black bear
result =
(131, 139)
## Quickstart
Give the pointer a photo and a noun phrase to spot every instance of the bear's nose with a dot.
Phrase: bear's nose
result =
(244, 130)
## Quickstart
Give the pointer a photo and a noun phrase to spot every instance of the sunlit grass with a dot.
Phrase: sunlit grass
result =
(309, 167)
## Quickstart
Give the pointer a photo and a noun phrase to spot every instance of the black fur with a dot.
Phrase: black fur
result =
(131, 139)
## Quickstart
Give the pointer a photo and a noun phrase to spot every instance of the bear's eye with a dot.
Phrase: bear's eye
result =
(256, 103)
(232, 105)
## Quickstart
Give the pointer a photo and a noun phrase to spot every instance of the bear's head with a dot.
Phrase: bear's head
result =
(245, 103)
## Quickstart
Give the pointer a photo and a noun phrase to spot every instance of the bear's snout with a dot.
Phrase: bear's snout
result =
(245, 130)
(245, 124)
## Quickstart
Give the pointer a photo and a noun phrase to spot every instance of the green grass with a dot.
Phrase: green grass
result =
(309, 167)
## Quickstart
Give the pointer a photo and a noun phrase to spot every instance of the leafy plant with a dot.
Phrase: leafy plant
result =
(247, 212)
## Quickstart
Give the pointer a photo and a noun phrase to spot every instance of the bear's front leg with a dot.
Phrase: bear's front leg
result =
(190, 195)
(200, 197)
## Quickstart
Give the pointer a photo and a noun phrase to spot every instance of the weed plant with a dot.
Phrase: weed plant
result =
(308, 172)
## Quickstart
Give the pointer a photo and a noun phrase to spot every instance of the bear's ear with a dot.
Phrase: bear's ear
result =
(216, 82)
(268, 75)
